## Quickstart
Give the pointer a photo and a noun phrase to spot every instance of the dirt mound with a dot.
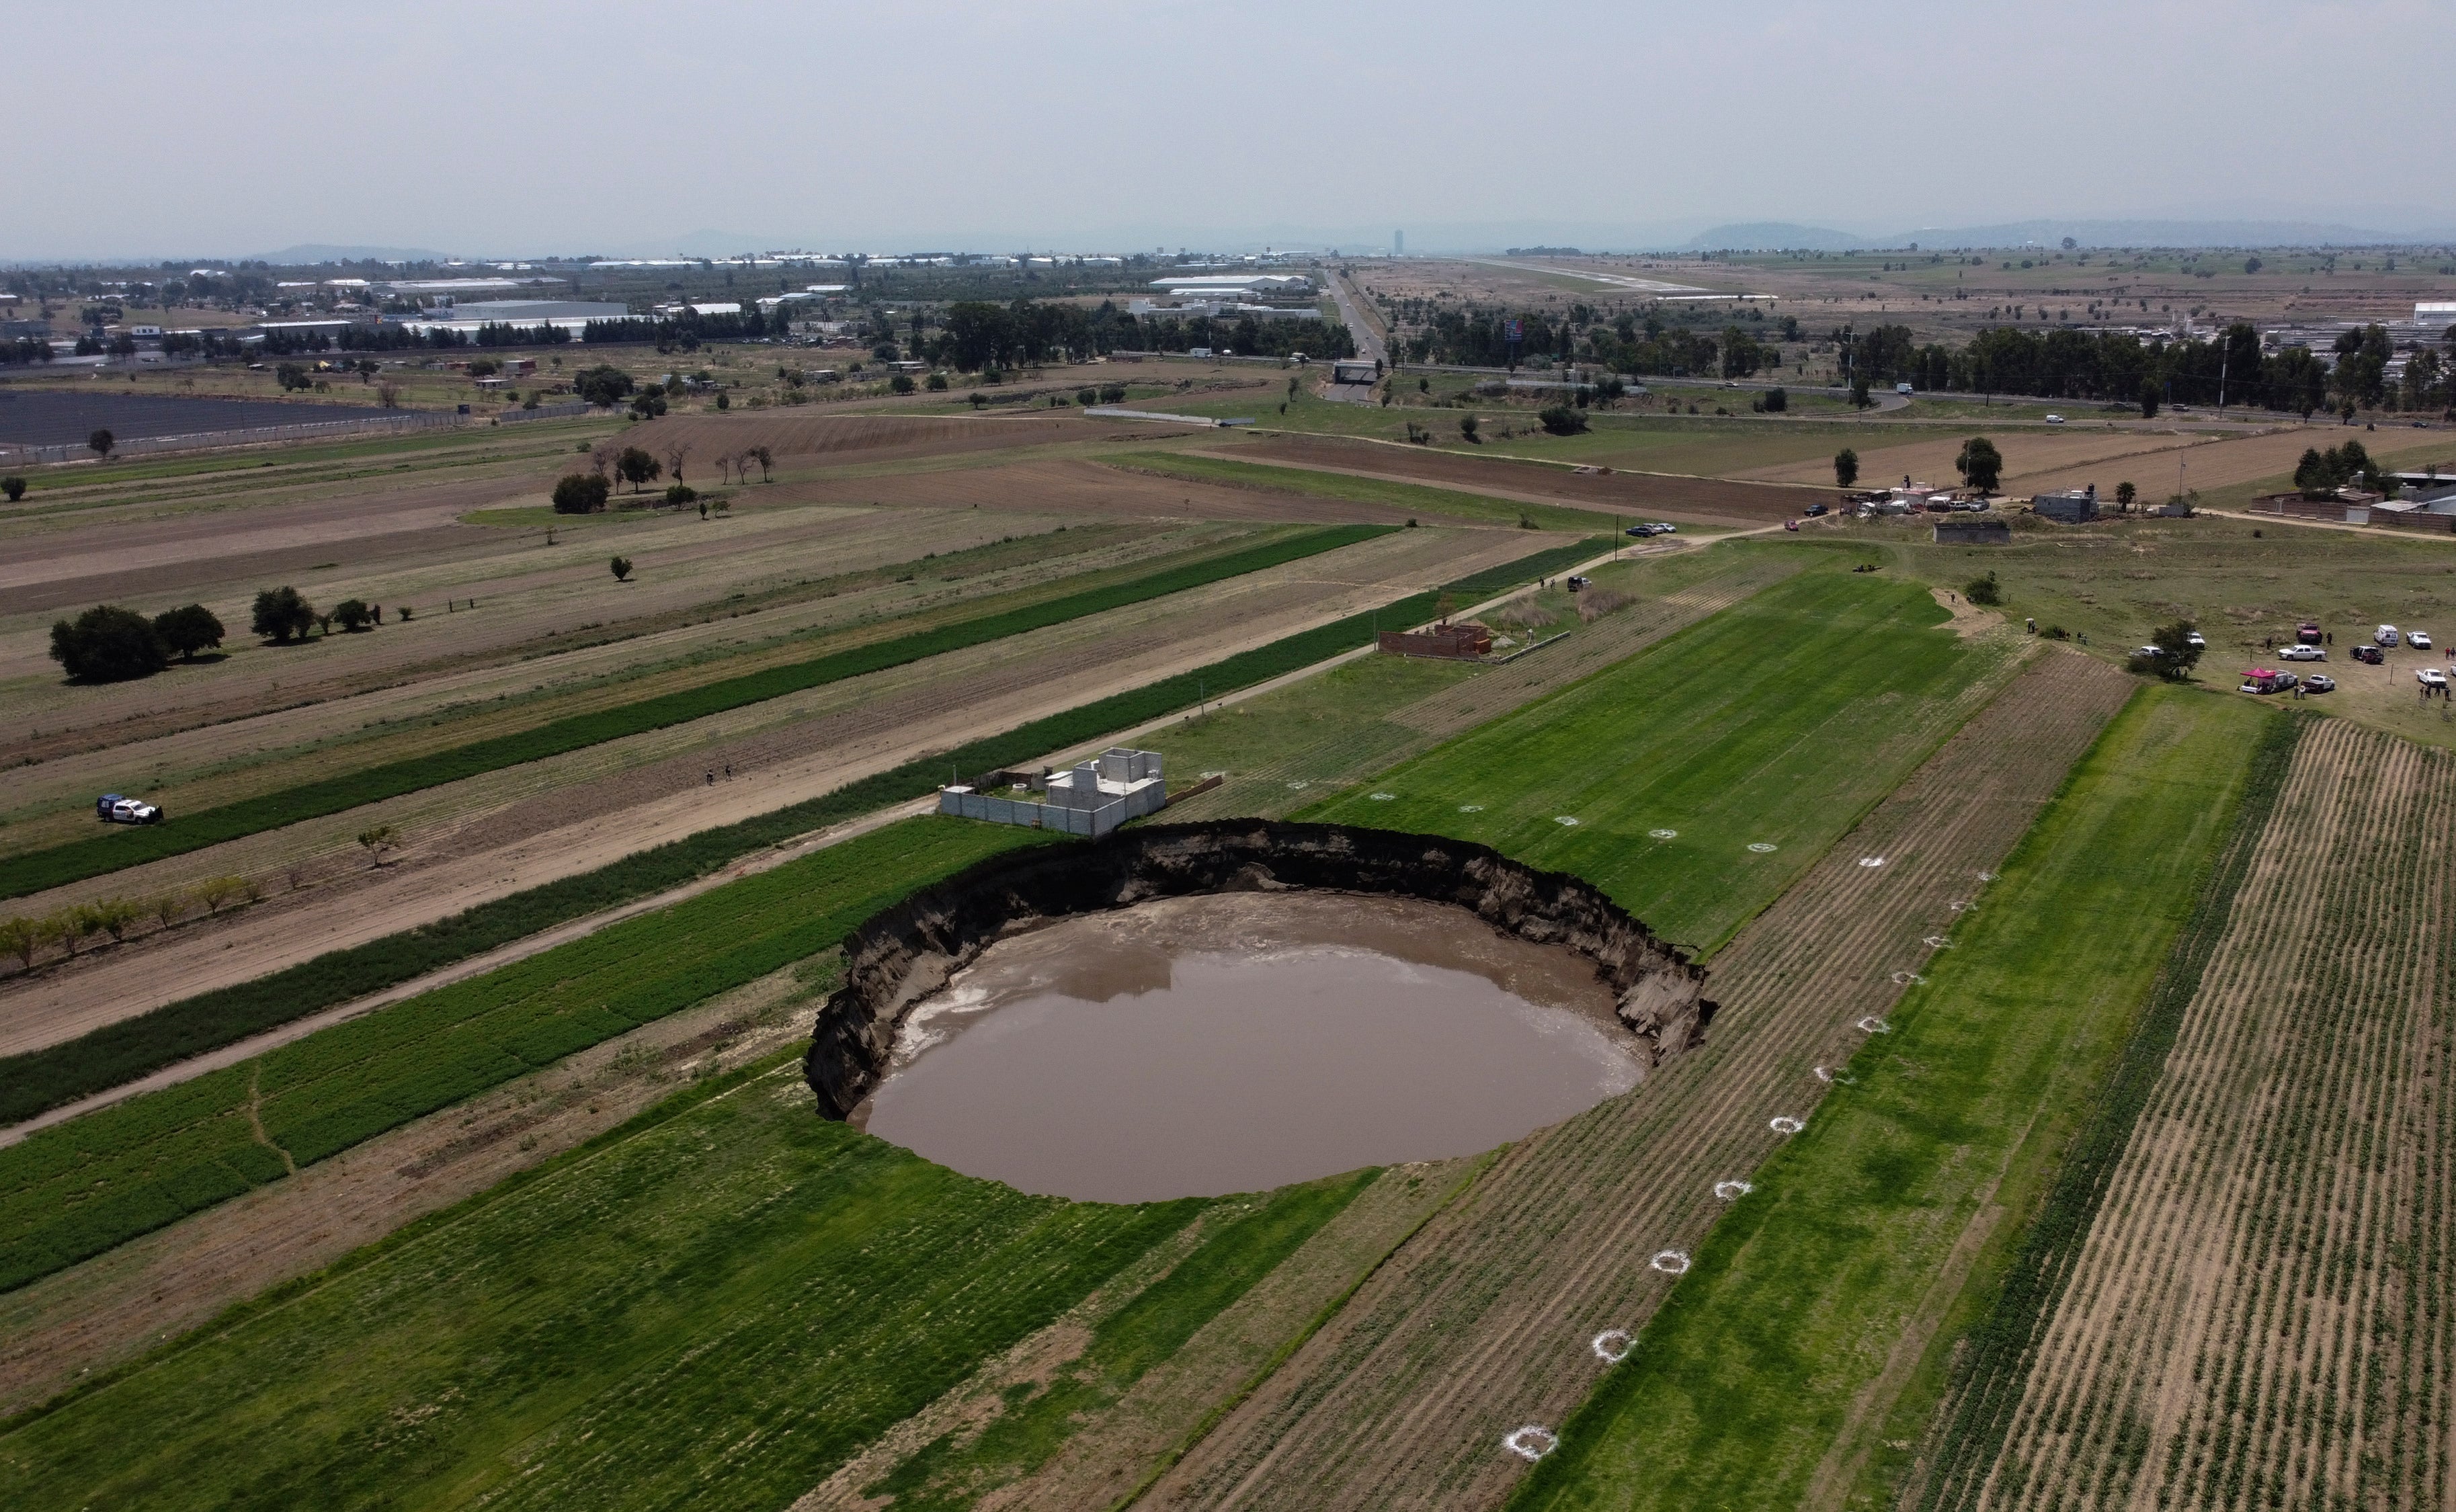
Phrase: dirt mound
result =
(835, 439)
(1702, 498)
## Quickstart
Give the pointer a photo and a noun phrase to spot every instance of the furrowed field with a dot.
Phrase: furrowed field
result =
(1682, 764)
(1769, 1374)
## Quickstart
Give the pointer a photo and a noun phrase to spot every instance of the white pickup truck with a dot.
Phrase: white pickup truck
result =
(113, 809)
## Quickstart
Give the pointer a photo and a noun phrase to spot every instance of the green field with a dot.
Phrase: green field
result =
(82, 1187)
(1415, 497)
(36, 870)
(715, 1306)
(1776, 722)
(1773, 1365)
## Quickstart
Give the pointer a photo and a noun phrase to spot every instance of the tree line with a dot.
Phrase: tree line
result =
(976, 336)
(112, 644)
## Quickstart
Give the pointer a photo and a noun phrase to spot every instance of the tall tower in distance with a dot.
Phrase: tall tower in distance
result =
(1397, 244)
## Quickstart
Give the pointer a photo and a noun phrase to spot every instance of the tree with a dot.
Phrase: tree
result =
(2149, 398)
(1983, 590)
(114, 916)
(1470, 427)
(108, 643)
(605, 386)
(323, 622)
(102, 441)
(902, 383)
(22, 938)
(378, 840)
(13, 487)
(581, 493)
(367, 367)
(636, 467)
(1563, 419)
(2124, 494)
(353, 615)
(622, 568)
(293, 375)
(680, 493)
(1859, 398)
(938, 383)
(1845, 467)
(765, 458)
(2251, 264)
(647, 404)
(187, 630)
(1979, 464)
(281, 615)
(1776, 401)
(675, 455)
(2175, 638)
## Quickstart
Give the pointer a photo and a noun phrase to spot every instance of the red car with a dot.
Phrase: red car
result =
(2369, 653)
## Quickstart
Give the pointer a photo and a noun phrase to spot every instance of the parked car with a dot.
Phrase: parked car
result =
(2298, 652)
(2430, 676)
(2055, 420)
(112, 809)
(1579, 581)
(2319, 683)
(2368, 653)
(1903, 388)
(2196, 641)
(2151, 652)
(1637, 530)
(2419, 639)
(2308, 632)
(2385, 635)
(1664, 528)
(1814, 510)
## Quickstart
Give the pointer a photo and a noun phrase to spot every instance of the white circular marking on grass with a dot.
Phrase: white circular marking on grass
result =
(1871, 861)
(1963, 906)
(1571, 819)
(1298, 788)
(1530, 1442)
(1937, 942)
(1383, 798)
(1785, 1124)
(1613, 1345)
(1872, 1025)
(1827, 1074)
(1987, 876)
(1665, 834)
(1470, 809)
(1761, 848)
(1733, 1190)
(1670, 1262)
(1907, 978)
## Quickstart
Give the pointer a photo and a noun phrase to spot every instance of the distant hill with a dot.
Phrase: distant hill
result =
(314, 252)
(1775, 236)
(2160, 234)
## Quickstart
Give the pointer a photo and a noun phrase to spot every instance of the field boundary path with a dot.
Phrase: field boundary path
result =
(1486, 1320)
(2259, 1315)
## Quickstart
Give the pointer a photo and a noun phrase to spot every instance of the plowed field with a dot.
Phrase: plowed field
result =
(1484, 1322)
(837, 440)
(1632, 494)
(2260, 1316)
(1076, 489)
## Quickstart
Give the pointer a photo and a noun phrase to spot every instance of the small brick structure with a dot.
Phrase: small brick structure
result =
(1451, 641)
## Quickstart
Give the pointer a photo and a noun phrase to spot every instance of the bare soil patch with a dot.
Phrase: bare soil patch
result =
(1634, 494)
(1080, 489)
(835, 439)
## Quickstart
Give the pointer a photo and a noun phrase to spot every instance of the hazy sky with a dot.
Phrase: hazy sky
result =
(175, 130)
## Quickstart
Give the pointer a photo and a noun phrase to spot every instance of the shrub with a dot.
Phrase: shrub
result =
(281, 614)
(187, 630)
(1776, 401)
(902, 383)
(353, 615)
(1983, 590)
(1563, 419)
(108, 643)
(21, 937)
(938, 383)
(1468, 427)
(582, 493)
(13, 487)
(621, 566)
(680, 493)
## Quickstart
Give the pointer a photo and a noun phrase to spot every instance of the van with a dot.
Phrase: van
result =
(1902, 388)
(2386, 635)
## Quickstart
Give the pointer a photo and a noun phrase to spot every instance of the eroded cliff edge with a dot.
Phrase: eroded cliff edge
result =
(902, 954)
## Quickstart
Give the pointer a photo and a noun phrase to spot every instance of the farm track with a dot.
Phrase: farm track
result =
(1309, 774)
(2261, 1314)
(1483, 1320)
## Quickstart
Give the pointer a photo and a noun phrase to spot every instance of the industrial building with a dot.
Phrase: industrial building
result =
(568, 314)
(1090, 798)
(2073, 506)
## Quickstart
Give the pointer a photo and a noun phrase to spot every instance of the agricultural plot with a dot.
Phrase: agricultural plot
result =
(1489, 1320)
(736, 1289)
(1698, 757)
(80, 1188)
(1768, 1377)
(2257, 1316)
(34, 871)
(1293, 747)
(1415, 498)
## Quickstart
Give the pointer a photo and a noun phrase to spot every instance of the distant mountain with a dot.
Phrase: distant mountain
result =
(314, 252)
(1769, 235)
(2160, 234)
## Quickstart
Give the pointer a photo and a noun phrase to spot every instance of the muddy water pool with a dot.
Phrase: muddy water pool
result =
(1236, 1042)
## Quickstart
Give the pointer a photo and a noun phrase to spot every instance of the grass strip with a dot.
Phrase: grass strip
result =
(727, 1302)
(951, 1471)
(88, 1185)
(1422, 498)
(106, 1057)
(1991, 1363)
(1776, 1358)
(76, 860)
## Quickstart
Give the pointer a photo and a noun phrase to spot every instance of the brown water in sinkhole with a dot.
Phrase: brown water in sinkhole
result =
(1241, 1041)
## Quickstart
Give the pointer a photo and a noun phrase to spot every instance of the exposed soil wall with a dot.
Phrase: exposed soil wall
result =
(905, 952)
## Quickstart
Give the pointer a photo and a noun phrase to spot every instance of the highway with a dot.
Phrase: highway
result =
(1369, 345)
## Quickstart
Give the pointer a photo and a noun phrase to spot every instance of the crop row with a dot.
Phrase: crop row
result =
(115, 1054)
(76, 860)
(1993, 1363)
(739, 1294)
(74, 1191)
